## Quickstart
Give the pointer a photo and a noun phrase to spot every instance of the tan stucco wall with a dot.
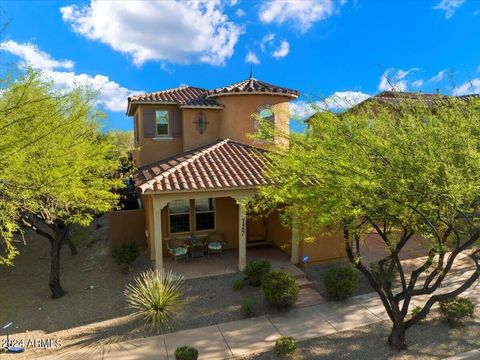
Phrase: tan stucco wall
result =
(128, 226)
(326, 247)
(152, 150)
(191, 136)
(236, 120)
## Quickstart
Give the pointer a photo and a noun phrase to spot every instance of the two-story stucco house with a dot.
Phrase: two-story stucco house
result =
(196, 165)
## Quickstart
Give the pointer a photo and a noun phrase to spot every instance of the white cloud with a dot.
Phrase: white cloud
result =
(31, 55)
(240, 13)
(303, 14)
(338, 101)
(397, 81)
(111, 95)
(252, 58)
(449, 6)
(282, 50)
(439, 77)
(418, 83)
(468, 87)
(267, 39)
(158, 30)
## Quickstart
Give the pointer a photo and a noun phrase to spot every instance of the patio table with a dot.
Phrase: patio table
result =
(197, 248)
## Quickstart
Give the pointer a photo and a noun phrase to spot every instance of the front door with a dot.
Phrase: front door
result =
(256, 230)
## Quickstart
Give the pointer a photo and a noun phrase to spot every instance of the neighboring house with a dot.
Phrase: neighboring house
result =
(197, 165)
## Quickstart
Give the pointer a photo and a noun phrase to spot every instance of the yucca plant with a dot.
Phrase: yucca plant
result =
(157, 296)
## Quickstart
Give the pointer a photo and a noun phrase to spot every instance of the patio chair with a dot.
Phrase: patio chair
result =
(215, 244)
(178, 248)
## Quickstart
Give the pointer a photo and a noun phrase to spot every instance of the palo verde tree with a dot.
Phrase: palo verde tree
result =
(403, 171)
(56, 166)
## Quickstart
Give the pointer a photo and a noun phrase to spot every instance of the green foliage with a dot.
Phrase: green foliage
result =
(280, 289)
(256, 270)
(56, 166)
(237, 285)
(248, 307)
(186, 353)
(125, 254)
(415, 311)
(341, 282)
(458, 309)
(380, 277)
(157, 296)
(285, 345)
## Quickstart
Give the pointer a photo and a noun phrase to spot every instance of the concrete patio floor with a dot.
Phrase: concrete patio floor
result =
(227, 263)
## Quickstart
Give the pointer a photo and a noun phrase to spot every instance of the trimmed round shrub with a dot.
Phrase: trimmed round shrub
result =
(256, 270)
(157, 296)
(341, 282)
(457, 310)
(285, 345)
(280, 289)
(186, 353)
(125, 254)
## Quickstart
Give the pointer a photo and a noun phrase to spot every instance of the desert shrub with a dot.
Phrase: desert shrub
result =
(457, 310)
(125, 254)
(157, 296)
(237, 285)
(256, 270)
(341, 282)
(280, 289)
(186, 353)
(285, 345)
(374, 268)
(247, 307)
(415, 310)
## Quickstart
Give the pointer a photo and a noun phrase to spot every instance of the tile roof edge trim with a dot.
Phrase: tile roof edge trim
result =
(201, 107)
(149, 191)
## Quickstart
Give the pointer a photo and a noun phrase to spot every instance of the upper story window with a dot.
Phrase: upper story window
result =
(161, 121)
(264, 113)
(136, 129)
(179, 216)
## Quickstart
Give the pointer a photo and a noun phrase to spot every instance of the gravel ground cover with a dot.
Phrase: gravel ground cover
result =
(434, 340)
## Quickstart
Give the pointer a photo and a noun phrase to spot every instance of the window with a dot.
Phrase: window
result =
(179, 216)
(205, 214)
(136, 129)
(161, 118)
(267, 114)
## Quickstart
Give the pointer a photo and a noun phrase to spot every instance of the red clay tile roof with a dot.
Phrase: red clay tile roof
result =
(221, 165)
(184, 96)
(250, 86)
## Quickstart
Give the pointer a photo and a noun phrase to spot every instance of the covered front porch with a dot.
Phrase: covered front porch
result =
(229, 219)
(227, 263)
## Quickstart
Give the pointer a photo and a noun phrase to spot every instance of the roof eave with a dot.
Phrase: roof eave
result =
(214, 95)
(134, 102)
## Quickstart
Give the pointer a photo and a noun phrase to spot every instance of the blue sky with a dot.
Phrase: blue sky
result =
(327, 49)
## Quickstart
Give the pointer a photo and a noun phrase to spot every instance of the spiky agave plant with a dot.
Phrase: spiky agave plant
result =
(157, 296)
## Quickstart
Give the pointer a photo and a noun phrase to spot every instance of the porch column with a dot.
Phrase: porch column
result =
(158, 205)
(295, 257)
(242, 236)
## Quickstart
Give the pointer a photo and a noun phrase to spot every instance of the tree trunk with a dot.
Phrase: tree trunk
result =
(396, 339)
(54, 282)
(71, 245)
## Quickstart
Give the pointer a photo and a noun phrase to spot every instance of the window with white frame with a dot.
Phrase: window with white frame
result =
(161, 120)
(204, 214)
(179, 216)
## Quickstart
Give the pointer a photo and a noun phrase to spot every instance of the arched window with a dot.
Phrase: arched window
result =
(265, 113)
